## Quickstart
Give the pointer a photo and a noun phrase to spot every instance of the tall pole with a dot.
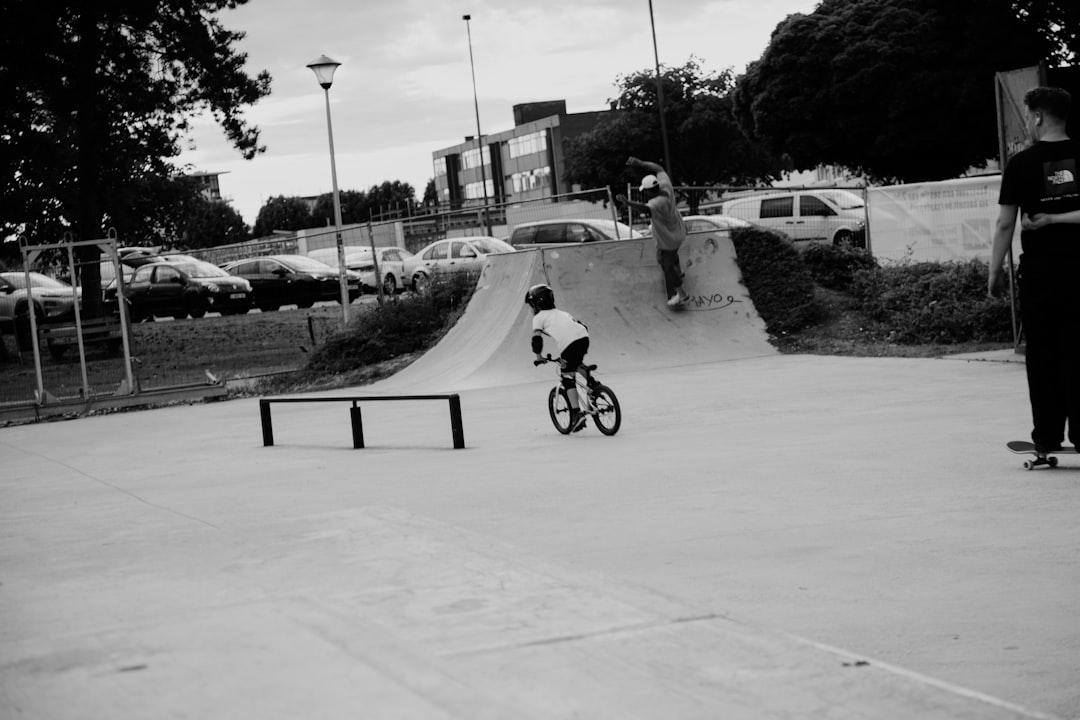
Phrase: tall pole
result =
(343, 279)
(324, 69)
(660, 96)
(479, 136)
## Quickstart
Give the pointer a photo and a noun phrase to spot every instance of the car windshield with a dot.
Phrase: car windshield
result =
(37, 280)
(491, 246)
(608, 228)
(844, 200)
(200, 269)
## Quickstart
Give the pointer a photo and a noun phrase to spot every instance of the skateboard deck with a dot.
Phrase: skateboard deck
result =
(1021, 447)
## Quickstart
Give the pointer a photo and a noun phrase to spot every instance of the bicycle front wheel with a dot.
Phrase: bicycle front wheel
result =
(559, 409)
(608, 413)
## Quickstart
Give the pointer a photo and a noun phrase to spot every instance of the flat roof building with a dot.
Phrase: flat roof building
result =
(524, 163)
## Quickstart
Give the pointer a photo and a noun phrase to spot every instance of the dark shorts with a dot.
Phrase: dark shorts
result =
(574, 354)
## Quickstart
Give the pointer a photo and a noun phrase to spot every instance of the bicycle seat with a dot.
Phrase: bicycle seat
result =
(590, 368)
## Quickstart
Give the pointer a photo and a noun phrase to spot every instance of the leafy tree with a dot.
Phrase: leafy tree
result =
(390, 197)
(282, 213)
(208, 223)
(354, 208)
(893, 89)
(707, 147)
(97, 99)
(431, 193)
(1056, 20)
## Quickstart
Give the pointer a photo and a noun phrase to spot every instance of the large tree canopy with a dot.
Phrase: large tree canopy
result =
(707, 147)
(97, 99)
(894, 89)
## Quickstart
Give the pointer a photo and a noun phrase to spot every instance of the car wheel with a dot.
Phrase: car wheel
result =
(844, 238)
(307, 298)
(196, 307)
(390, 284)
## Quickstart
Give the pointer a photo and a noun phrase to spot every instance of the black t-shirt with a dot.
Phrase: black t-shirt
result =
(1043, 179)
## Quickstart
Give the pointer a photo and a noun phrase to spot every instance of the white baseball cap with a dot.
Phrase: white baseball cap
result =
(648, 182)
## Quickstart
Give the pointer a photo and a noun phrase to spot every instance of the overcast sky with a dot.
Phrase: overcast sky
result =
(404, 88)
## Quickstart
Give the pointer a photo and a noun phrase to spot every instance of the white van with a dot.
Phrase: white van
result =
(817, 216)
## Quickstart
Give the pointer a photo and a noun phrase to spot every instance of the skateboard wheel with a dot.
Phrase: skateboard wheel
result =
(1028, 465)
(1052, 461)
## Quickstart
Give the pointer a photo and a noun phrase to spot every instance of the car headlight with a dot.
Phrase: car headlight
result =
(212, 287)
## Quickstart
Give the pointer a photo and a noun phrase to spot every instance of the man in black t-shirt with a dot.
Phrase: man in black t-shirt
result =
(1041, 185)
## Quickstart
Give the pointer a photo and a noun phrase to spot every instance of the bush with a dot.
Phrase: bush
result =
(934, 302)
(401, 325)
(777, 279)
(834, 266)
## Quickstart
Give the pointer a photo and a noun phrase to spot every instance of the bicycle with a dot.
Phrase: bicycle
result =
(596, 400)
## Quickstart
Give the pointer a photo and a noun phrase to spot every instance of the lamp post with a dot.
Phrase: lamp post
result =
(660, 96)
(479, 136)
(324, 68)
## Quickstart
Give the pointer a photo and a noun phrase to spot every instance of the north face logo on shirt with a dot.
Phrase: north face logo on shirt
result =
(1060, 177)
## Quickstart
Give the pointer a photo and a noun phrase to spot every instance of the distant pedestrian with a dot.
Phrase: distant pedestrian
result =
(1040, 184)
(667, 224)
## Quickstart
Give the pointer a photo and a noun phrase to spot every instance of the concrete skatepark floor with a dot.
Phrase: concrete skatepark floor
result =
(863, 504)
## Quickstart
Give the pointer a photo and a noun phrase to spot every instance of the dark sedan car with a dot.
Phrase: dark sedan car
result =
(290, 280)
(180, 288)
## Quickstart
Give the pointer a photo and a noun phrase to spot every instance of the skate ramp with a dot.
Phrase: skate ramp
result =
(617, 290)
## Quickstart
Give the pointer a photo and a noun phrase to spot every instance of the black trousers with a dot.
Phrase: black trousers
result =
(669, 262)
(1050, 310)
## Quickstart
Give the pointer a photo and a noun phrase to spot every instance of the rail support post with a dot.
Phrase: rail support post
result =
(357, 422)
(457, 427)
(267, 426)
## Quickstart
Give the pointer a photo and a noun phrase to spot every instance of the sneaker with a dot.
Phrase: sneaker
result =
(1043, 449)
(674, 300)
(577, 421)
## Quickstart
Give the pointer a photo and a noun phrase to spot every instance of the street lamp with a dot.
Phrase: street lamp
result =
(660, 96)
(324, 68)
(479, 136)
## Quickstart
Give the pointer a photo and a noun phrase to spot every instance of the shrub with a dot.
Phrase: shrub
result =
(777, 279)
(401, 325)
(834, 266)
(934, 302)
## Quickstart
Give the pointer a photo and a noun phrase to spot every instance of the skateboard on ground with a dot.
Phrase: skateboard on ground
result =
(1025, 448)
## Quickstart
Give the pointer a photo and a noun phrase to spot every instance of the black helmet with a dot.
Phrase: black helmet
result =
(540, 297)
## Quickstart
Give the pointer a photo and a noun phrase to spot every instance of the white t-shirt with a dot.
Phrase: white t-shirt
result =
(560, 326)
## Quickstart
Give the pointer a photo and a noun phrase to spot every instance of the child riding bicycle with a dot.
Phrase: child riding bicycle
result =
(571, 339)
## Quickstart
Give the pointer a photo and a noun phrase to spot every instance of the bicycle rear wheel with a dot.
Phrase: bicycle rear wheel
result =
(559, 409)
(608, 413)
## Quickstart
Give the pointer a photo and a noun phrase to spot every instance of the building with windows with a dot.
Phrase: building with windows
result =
(524, 163)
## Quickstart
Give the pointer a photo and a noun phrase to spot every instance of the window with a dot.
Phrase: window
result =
(578, 233)
(437, 252)
(531, 179)
(528, 144)
(474, 191)
(524, 235)
(810, 206)
(778, 207)
(142, 274)
(440, 166)
(550, 233)
(461, 250)
(166, 274)
(471, 158)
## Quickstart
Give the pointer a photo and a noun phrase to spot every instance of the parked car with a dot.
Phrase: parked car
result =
(453, 255)
(569, 230)
(821, 216)
(53, 301)
(278, 280)
(179, 288)
(360, 260)
(712, 223)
